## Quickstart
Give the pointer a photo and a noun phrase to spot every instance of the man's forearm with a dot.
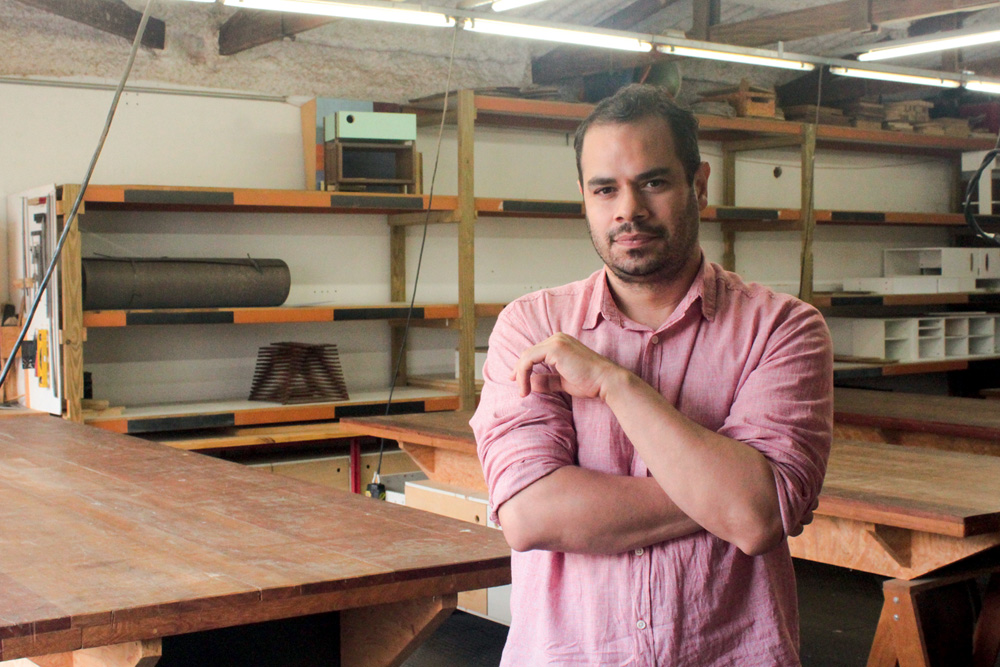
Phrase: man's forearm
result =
(577, 510)
(726, 486)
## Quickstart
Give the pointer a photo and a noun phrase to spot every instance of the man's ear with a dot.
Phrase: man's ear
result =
(700, 184)
(579, 186)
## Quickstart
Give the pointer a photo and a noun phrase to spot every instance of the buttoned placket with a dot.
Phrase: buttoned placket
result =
(641, 557)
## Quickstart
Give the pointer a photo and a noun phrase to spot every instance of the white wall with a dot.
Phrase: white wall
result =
(47, 135)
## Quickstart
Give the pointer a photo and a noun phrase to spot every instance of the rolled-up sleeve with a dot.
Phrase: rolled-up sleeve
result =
(519, 440)
(784, 409)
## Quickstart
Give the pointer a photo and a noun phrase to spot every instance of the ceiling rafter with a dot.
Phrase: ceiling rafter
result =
(112, 16)
(843, 16)
(567, 61)
(248, 28)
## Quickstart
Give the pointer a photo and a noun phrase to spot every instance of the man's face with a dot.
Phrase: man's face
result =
(643, 214)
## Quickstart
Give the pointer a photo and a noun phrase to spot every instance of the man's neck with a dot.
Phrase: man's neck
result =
(652, 303)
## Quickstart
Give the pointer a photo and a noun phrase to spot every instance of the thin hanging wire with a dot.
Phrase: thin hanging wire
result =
(423, 242)
(68, 220)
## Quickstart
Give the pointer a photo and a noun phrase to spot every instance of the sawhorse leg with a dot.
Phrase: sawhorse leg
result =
(931, 622)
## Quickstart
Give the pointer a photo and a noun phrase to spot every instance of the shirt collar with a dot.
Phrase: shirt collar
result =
(703, 291)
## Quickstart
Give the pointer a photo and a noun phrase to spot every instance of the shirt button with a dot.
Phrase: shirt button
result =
(654, 340)
(641, 625)
(639, 551)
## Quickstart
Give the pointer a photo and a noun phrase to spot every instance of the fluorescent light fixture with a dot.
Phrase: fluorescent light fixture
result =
(561, 35)
(940, 82)
(504, 5)
(348, 11)
(911, 48)
(983, 86)
(748, 59)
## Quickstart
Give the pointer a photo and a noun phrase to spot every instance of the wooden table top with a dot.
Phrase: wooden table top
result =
(107, 539)
(943, 415)
(449, 430)
(944, 493)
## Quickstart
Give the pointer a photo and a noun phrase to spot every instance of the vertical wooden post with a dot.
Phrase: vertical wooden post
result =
(307, 113)
(73, 333)
(706, 13)
(397, 293)
(728, 199)
(808, 214)
(466, 250)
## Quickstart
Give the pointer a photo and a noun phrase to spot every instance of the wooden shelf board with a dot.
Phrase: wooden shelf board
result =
(238, 412)
(902, 218)
(278, 315)
(835, 299)
(846, 370)
(154, 197)
(266, 435)
(528, 208)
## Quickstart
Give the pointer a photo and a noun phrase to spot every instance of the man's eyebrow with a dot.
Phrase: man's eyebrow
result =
(653, 173)
(598, 181)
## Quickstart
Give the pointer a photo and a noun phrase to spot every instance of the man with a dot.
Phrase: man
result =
(652, 434)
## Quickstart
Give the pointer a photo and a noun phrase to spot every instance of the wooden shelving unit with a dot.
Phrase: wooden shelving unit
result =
(467, 110)
(277, 315)
(237, 412)
(737, 135)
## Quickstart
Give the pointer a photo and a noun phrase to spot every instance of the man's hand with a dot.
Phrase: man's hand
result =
(580, 371)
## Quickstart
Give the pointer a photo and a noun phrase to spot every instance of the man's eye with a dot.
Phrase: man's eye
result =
(656, 183)
(604, 191)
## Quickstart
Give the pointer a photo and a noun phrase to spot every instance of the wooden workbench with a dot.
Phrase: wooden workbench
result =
(941, 422)
(110, 543)
(900, 512)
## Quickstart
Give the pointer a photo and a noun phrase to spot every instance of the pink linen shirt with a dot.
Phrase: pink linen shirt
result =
(738, 359)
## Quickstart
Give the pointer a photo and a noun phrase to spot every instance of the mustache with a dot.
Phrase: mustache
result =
(632, 227)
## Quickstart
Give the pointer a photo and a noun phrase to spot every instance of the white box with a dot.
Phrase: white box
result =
(989, 263)
(893, 285)
(875, 338)
(946, 262)
(464, 505)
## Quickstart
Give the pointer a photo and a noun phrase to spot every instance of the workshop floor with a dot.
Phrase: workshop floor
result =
(839, 609)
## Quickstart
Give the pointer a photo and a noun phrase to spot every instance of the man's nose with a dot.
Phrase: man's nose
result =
(631, 205)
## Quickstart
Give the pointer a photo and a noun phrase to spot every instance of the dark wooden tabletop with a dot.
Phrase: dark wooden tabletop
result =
(944, 493)
(108, 539)
(943, 415)
(449, 430)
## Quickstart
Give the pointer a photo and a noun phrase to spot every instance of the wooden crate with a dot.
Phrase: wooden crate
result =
(748, 100)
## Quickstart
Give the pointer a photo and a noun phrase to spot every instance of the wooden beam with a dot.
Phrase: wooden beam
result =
(563, 62)
(836, 17)
(112, 16)
(707, 13)
(248, 28)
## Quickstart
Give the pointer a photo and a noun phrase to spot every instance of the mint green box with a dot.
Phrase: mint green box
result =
(370, 126)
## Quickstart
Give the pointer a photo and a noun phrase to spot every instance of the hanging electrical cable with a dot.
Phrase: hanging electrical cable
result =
(68, 220)
(970, 218)
(376, 489)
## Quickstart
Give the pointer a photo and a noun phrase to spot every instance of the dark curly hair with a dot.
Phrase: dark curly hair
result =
(636, 102)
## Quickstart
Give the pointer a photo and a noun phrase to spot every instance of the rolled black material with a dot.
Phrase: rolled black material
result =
(141, 282)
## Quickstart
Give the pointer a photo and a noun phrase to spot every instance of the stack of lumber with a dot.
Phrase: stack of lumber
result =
(746, 99)
(865, 115)
(903, 116)
(810, 113)
(949, 127)
(99, 408)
